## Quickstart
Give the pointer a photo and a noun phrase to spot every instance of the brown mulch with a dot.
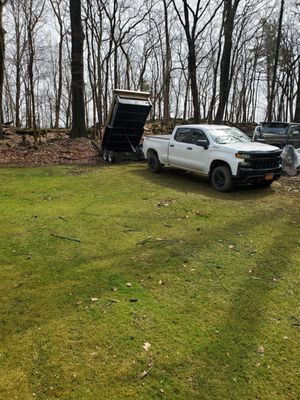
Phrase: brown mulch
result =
(55, 148)
(288, 183)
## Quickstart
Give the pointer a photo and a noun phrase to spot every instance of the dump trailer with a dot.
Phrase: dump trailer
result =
(125, 126)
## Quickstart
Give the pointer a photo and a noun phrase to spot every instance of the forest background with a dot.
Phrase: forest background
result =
(211, 60)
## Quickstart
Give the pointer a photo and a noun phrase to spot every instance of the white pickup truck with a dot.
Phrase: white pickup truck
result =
(222, 153)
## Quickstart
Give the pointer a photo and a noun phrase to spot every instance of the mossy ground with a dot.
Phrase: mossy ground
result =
(214, 287)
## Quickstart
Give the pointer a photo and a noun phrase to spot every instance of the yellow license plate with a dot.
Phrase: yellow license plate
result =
(269, 177)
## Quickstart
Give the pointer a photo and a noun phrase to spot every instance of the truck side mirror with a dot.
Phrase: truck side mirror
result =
(296, 133)
(203, 143)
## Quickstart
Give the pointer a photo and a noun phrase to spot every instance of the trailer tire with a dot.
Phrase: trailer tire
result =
(221, 178)
(153, 162)
(111, 157)
(105, 155)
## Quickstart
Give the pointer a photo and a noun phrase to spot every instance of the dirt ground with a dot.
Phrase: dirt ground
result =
(57, 148)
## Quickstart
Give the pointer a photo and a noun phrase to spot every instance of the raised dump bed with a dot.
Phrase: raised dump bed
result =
(125, 125)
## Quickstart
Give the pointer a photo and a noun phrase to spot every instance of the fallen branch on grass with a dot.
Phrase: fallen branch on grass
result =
(145, 240)
(65, 238)
(63, 218)
(150, 239)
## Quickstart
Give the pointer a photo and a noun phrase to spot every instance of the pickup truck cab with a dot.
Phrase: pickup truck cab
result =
(224, 154)
(278, 134)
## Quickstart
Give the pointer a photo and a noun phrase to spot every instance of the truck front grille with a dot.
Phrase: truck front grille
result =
(265, 164)
(264, 160)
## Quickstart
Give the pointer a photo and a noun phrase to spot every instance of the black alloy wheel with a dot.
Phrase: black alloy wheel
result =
(153, 162)
(221, 179)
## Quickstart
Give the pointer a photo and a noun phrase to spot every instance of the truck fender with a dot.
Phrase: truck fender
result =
(152, 151)
(216, 163)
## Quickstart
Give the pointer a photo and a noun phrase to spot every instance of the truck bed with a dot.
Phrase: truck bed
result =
(160, 143)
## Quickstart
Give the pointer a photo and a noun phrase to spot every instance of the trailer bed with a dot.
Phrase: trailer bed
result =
(125, 125)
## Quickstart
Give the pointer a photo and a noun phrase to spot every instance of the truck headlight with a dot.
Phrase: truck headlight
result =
(242, 156)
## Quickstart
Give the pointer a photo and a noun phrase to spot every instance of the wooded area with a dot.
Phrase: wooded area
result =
(212, 60)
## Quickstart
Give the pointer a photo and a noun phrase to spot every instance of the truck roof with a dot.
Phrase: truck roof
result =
(203, 126)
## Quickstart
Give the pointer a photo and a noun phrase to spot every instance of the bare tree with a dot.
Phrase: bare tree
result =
(229, 12)
(78, 109)
(59, 9)
(297, 107)
(190, 21)
(167, 62)
(20, 46)
(2, 63)
(274, 75)
(197, 60)
(33, 11)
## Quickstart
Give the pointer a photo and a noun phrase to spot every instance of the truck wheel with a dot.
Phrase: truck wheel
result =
(111, 157)
(153, 162)
(221, 179)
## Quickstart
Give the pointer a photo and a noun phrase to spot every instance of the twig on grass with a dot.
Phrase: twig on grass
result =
(145, 373)
(145, 240)
(150, 239)
(65, 238)
(297, 321)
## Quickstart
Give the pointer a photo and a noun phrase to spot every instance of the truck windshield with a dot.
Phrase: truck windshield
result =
(274, 127)
(228, 135)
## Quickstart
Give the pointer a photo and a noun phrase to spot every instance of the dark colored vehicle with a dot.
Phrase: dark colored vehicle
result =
(125, 126)
(278, 134)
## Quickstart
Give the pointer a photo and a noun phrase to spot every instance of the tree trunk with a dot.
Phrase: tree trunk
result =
(60, 77)
(214, 84)
(2, 66)
(167, 70)
(192, 67)
(20, 46)
(18, 83)
(31, 83)
(297, 109)
(274, 76)
(229, 15)
(78, 110)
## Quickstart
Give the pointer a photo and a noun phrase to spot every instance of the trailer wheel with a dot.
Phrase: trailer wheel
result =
(221, 179)
(105, 155)
(153, 162)
(111, 157)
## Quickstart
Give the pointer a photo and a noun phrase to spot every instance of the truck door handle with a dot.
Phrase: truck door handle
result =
(189, 148)
(171, 145)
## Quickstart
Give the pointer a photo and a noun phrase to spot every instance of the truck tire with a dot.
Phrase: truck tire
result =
(111, 157)
(153, 162)
(221, 179)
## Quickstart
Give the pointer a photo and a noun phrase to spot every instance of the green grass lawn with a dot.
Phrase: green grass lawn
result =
(210, 280)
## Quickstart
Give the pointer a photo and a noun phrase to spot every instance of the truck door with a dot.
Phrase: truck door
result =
(178, 147)
(198, 155)
(185, 153)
